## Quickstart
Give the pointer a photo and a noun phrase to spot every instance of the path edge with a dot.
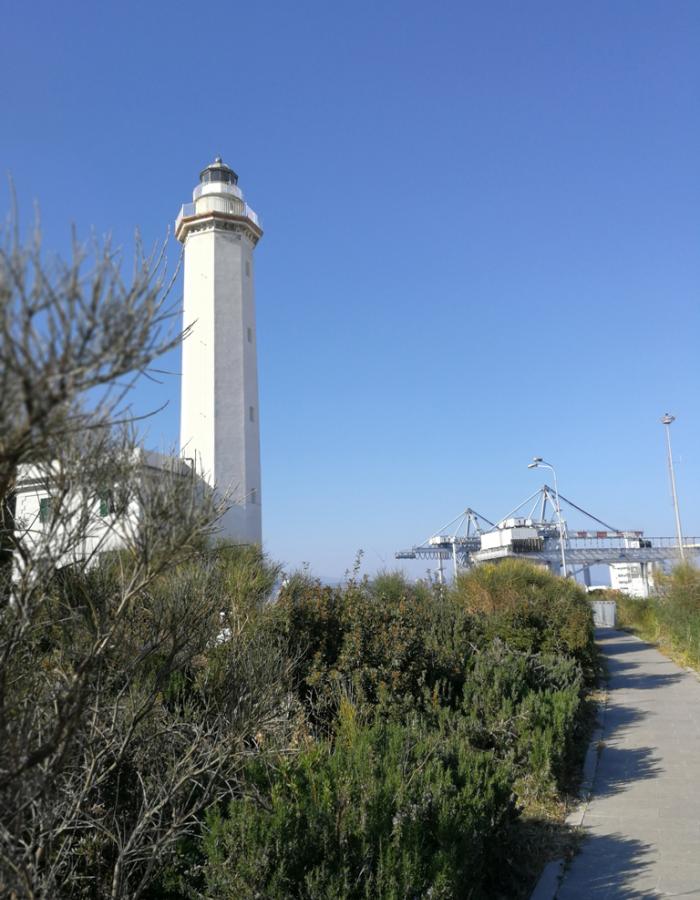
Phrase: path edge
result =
(550, 880)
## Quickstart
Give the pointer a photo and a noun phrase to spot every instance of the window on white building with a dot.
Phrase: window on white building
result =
(45, 510)
(106, 503)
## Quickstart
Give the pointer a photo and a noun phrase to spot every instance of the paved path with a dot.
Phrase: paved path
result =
(643, 821)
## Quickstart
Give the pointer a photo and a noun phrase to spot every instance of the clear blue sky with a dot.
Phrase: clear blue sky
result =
(482, 224)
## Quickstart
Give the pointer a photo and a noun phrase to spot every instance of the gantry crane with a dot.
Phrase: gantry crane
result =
(538, 535)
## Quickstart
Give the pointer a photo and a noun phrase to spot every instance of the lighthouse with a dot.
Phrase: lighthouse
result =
(219, 414)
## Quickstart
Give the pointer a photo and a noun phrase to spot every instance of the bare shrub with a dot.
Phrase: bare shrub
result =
(123, 714)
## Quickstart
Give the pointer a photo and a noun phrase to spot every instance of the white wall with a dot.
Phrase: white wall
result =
(219, 373)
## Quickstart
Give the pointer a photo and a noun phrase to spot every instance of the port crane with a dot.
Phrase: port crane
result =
(457, 544)
(532, 531)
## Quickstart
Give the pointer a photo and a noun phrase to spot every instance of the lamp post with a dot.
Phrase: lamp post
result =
(539, 463)
(666, 421)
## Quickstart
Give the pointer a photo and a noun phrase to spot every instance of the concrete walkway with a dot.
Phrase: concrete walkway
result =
(643, 820)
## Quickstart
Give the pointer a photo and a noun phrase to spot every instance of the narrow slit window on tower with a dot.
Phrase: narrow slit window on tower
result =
(250, 335)
(253, 496)
(251, 413)
(247, 267)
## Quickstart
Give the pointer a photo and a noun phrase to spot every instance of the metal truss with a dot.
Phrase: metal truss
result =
(460, 539)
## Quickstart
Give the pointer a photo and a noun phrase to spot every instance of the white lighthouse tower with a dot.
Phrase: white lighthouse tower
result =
(219, 395)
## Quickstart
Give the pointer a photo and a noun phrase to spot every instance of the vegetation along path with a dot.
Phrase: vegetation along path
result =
(643, 820)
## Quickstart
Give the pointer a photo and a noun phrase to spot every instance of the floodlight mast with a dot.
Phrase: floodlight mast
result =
(539, 463)
(666, 420)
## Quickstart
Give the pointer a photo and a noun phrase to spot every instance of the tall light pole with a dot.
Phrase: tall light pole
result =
(666, 421)
(539, 463)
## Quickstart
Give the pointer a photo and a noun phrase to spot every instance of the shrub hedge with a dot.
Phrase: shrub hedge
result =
(386, 810)
(671, 616)
(430, 715)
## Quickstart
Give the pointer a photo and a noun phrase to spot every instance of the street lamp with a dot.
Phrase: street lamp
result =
(666, 420)
(539, 463)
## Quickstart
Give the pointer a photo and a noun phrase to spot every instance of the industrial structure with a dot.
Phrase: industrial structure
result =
(537, 531)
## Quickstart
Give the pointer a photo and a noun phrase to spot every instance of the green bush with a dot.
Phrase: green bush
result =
(526, 708)
(387, 810)
(672, 615)
(530, 610)
(427, 708)
(510, 647)
(381, 642)
(637, 613)
(679, 610)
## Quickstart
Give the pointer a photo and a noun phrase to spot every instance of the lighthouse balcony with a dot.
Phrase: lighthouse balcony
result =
(232, 207)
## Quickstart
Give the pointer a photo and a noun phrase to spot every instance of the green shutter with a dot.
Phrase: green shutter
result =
(44, 510)
(106, 504)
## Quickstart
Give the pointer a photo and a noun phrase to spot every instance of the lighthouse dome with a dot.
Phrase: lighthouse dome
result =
(218, 171)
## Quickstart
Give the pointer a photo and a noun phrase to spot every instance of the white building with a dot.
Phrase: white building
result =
(635, 579)
(219, 411)
(65, 522)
